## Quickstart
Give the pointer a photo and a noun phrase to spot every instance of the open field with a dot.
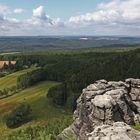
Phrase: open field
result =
(7, 63)
(42, 111)
(29, 95)
(8, 53)
(11, 79)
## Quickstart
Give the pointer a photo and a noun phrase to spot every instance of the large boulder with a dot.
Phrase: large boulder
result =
(104, 103)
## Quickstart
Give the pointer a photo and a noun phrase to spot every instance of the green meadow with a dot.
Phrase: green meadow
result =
(43, 112)
(11, 79)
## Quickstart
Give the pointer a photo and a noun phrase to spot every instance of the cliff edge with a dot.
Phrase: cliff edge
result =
(105, 110)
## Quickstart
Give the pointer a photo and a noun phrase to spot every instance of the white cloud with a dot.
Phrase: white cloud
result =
(114, 17)
(4, 10)
(39, 23)
(115, 11)
(40, 17)
(19, 11)
(39, 13)
(117, 17)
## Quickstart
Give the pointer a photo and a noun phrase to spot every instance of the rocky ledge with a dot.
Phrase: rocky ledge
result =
(105, 110)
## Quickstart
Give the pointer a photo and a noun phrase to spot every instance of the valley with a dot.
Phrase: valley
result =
(70, 70)
(50, 82)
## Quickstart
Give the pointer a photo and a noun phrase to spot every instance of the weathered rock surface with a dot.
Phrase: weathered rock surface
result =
(101, 105)
(116, 131)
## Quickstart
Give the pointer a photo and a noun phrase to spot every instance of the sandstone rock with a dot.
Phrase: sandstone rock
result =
(101, 105)
(116, 131)
(133, 81)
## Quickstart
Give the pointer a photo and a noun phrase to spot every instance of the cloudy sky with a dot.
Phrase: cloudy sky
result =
(70, 17)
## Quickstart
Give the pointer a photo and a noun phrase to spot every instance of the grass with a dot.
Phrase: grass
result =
(11, 79)
(137, 127)
(42, 111)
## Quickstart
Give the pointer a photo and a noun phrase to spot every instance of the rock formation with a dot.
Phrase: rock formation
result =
(105, 110)
(116, 131)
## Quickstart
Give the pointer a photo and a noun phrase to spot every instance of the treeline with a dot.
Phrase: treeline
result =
(31, 78)
(76, 71)
(25, 61)
(58, 94)
(8, 92)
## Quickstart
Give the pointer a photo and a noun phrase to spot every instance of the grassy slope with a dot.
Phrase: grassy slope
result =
(11, 79)
(42, 112)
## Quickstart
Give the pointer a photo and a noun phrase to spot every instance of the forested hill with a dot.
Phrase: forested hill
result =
(76, 70)
(38, 43)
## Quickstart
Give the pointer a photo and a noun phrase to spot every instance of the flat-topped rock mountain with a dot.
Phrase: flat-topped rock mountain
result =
(105, 110)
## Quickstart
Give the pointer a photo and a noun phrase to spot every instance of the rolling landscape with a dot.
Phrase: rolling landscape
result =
(51, 87)
(31, 43)
(70, 70)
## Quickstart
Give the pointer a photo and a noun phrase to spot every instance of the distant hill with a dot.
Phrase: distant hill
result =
(41, 43)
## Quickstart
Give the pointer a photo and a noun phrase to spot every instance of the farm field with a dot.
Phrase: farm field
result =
(7, 53)
(11, 79)
(6, 62)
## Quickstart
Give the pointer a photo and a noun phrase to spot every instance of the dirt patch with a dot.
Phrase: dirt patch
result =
(5, 107)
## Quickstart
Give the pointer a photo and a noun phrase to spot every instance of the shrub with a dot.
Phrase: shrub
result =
(18, 116)
(58, 94)
(44, 131)
(31, 78)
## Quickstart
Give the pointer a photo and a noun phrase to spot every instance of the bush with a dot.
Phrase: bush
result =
(18, 116)
(58, 94)
(44, 131)
(8, 91)
(31, 78)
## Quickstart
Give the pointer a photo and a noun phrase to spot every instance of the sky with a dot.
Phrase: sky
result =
(69, 17)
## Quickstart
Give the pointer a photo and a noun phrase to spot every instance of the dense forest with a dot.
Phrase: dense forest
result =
(76, 71)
